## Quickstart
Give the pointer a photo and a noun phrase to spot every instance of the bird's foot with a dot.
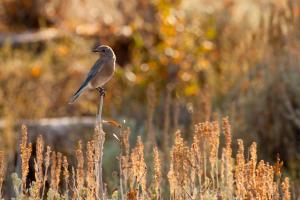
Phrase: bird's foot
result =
(101, 91)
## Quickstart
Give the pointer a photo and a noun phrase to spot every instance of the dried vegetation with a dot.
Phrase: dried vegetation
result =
(203, 170)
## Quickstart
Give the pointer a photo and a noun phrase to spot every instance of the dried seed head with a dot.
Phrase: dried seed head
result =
(90, 177)
(66, 174)
(80, 163)
(252, 166)
(39, 162)
(2, 169)
(53, 170)
(47, 157)
(139, 167)
(240, 173)
(58, 169)
(25, 149)
(180, 166)
(157, 170)
(227, 133)
(285, 186)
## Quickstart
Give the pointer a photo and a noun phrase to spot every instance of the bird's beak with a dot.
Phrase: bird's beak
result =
(95, 50)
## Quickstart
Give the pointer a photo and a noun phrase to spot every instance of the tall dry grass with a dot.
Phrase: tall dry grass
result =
(203, 170)
(244, 55)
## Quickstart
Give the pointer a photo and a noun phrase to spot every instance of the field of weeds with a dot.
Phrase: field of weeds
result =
(195, 171)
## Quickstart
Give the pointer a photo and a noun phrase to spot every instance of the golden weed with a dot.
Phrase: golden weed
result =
(80, 169)
(55, 171)
(90, 177)
(180, 168)
(25, 156)
(228, 159)
(240, 172)
(66, 174)
(138, 170)
(38, 163)
(196, 171)
(157, 172)
(285, 185)
(2, 171)
(38, 168)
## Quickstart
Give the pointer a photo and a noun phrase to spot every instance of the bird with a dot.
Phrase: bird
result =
(101, 72)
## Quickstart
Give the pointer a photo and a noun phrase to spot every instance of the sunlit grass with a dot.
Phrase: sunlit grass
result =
(202, 170)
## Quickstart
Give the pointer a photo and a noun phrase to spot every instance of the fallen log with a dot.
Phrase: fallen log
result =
(55, 130)
(30, 36)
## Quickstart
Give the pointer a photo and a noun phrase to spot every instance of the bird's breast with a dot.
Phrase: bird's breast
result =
(103, 75)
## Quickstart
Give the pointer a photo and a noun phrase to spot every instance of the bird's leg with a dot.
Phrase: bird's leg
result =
(101, 91)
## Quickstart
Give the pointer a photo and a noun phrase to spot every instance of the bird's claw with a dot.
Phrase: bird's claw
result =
(101, 91)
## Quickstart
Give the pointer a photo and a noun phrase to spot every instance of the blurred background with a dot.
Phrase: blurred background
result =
(179, 63)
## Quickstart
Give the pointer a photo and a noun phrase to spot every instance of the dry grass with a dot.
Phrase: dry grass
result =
(25, 156)
(196, 171)
(222, 56)
(2, 171)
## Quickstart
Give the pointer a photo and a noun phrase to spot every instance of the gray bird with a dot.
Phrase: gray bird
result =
(101, 72)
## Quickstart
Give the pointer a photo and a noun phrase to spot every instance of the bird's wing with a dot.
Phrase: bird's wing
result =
(96, 68)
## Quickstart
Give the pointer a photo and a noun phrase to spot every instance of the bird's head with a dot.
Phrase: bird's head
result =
(104, 51)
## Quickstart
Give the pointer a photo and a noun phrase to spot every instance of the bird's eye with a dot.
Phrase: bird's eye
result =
(103, 50)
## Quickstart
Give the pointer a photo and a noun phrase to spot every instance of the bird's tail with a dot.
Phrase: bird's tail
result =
(78, 93)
